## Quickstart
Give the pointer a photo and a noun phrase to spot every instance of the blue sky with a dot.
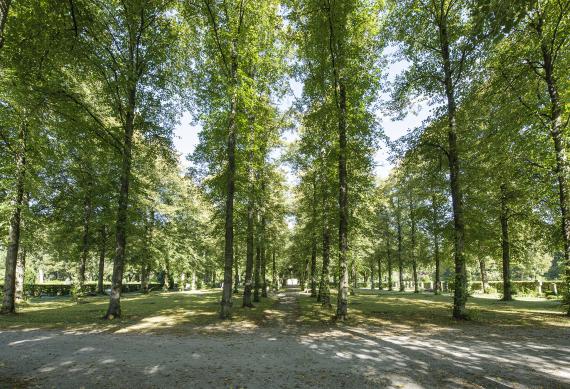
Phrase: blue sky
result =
(186, 134)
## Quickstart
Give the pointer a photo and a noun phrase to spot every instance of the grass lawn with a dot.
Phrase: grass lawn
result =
(183, 312)
(154, 312)
(426, 310)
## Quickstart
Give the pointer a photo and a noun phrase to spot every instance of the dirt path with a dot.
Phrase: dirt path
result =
(284, 313)
(281, 354)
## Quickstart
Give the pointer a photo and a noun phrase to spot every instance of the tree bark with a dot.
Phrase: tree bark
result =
(324, 295)
(236, 273)
(114, 309)
(102, 254)
(314, 241)
(20, 275)
(413, 246)
(400, 261)
(436, 254)
(562, 168)
(389, 260)
(4, 9)
(226, 302)
(9, 300)
(85, 237)
(256, 273)
(263, 266)
(250, 226)
(460, 287)
(342, 300)
(505, 245)
(249, 256)
(380, 287)
(274, 272)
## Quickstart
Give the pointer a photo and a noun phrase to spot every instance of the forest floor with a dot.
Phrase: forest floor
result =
(288, 341)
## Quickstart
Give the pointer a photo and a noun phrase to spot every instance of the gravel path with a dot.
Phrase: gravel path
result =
(285, 355)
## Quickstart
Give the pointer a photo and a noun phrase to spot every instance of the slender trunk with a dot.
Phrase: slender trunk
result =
(505, 245)
(562, 167)
(274, 272)
(342, 300)
(102, 252)
(226, 302)
(236, 273)
(400, 261)
(314, 268)
(437, 286)
(114, 309)
(20, 275)
(372, 274)
(85, 237)
(250, 230)
(314, 241)
(380, 287)
(324, 290)
(256, 273)
(460, 291)
(249, 256)
(147, 258)
(484, 281)
(4, 8)
(263, 266)
(413, 246)
(166, 286)
(9, 300)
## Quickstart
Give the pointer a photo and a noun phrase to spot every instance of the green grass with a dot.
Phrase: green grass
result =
(427, 310)
(155, 312)
(184, 312)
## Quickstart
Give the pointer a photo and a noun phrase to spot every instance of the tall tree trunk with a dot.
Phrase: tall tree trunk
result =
(20, 275)
(249, 256)
(400, 260)
(226, 302)
(562, 167)
(436, 254)
(505, 245)
(250, 224)
(147, 258)
(236, 272)
(85, 237)
(413, 246)
(102, 253)
(342, 301)
(324, 295)
(114, 309)
(314, 240)
(4, 9)
(263, 269)
(256, 273)
(380, 287)
(9, 300)
(274, 272)
(314, 268)
(460, 287)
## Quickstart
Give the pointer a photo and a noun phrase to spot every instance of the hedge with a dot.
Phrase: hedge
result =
(37, 290)
(523, 287)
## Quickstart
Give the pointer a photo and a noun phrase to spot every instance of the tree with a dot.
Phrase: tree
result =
(441, 41)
